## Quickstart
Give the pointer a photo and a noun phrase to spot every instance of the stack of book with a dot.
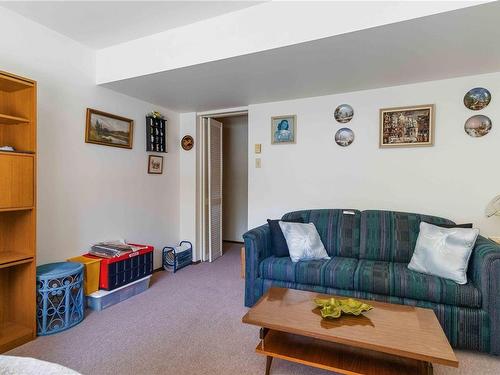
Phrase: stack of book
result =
(113, 249)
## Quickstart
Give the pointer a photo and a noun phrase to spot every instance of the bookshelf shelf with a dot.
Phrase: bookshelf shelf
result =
(11, 83)
(12, 120)
(13, 209)
(14, 258)
(17, 211)
(18, 153)
(13, 334)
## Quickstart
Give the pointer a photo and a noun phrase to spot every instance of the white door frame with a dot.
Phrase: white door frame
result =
(201, 175)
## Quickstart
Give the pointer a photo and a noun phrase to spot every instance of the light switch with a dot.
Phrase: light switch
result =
(258, 148)
(257, 163)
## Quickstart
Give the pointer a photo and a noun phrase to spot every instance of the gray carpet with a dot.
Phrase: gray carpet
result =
(187, 323)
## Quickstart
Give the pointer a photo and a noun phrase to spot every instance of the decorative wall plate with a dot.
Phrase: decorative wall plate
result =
(344, 137)
(343, 113)
(477, 98)
(478, 126)
(187, 142)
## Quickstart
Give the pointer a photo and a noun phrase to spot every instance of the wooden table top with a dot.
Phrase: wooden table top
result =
(400, 330)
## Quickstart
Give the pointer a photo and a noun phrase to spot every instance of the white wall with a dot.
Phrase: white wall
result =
(187, 183)
(456, 178)
(88, 192)
(235, 177)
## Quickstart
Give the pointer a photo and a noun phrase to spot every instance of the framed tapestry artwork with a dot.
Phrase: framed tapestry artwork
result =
(407, 126)
(108, 130)
(155, 164)
(283, 129)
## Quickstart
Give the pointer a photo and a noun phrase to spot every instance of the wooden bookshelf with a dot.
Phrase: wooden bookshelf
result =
(17, 211)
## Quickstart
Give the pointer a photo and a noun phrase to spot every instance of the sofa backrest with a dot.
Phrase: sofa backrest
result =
(372, 234)
(390, 235)
(339, 229)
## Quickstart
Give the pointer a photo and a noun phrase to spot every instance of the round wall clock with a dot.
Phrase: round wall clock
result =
(187, 142)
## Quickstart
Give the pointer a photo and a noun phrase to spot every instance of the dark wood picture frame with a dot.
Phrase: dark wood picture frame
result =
(89, 138)
(150, 169)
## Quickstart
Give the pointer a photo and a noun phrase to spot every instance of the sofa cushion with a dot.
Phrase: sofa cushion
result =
(391, 236)
(339, 229)
(373, 276)
(419, 286)
(278, 241)
(339, 273)
(310, 271)
(278, 268)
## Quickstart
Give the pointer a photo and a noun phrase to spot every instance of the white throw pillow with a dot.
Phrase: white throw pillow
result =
(443, 252)
(303, 241)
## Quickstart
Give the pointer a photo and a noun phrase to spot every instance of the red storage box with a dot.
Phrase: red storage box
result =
(119, 271)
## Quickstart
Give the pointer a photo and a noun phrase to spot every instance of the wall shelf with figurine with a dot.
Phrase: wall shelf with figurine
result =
(156, 134)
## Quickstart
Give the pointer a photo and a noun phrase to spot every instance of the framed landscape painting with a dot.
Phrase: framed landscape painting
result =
(109, 130)
(407, 126)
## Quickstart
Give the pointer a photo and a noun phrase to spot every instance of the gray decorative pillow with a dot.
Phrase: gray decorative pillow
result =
(303, 240)
(443, 252)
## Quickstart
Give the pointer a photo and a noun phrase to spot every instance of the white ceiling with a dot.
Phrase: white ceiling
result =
(104, 23)
(458, 43)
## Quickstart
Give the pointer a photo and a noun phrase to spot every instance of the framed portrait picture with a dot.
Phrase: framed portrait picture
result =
(155, 164)
(108, 130)
(283, 129)
(407, 126)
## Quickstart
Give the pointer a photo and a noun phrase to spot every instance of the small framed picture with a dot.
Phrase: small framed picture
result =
(108, 130)
(155, 164)
(283, 129)
(407, 126)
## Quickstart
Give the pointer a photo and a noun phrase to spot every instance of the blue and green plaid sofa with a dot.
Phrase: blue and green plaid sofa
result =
(370, 251)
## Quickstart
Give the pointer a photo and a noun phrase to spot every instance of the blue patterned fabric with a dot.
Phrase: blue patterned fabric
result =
(338, 230)
(484, 270)
(373, 276)
(418, 286)
(391, 236)
(339, 273)
(278, 268)
(370, 251)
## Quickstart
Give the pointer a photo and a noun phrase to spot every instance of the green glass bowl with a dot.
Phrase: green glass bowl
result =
(334, 307)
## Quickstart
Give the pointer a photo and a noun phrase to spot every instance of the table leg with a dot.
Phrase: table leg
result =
(269, 361)
(430, 369)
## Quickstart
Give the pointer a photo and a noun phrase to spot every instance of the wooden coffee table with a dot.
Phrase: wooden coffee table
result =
(390, 339)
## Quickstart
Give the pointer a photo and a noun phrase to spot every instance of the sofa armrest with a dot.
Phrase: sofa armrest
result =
(484, 271)
(257, 248)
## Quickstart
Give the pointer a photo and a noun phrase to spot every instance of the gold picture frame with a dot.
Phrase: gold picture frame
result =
(411, 126)
(282, 132)
(108, 130)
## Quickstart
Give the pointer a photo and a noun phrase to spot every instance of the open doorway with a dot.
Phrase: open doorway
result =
(234, 180)
(224, 181)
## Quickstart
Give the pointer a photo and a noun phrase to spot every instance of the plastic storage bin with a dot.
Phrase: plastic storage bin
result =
(102, 299)
(59, 296)
(119, 271)
(91, 273)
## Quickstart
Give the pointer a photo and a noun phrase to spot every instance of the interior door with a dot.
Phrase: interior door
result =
(214, 136)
